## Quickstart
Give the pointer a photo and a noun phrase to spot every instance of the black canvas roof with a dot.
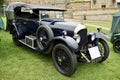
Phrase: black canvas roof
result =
(13, 5)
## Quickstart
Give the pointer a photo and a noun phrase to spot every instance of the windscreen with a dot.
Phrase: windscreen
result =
(52, 14)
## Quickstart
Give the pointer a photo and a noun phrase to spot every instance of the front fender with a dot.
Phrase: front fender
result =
(68, 41)
(15, 26)
(100, 35)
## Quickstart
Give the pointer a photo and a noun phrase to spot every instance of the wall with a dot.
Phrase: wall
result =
(77, 10)
(108, 3)
(96, 14)
(78, 5)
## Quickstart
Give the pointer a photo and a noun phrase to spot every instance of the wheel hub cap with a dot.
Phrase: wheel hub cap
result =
(59, 59)
(41, 38)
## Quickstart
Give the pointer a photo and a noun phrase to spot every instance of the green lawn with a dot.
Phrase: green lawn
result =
(100, 23)
(95, 23)
(23, 63)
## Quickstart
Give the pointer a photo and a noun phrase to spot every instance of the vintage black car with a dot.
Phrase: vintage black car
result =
(115, 32)
(43, 28)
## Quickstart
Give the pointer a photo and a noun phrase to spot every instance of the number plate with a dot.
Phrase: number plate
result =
(94, 52)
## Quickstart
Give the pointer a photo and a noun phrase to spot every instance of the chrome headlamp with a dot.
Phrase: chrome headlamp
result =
(93, 36)
(76, 30)
(64, 32)
(77, 38)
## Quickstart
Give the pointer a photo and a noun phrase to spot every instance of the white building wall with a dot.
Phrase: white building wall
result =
(117, 0)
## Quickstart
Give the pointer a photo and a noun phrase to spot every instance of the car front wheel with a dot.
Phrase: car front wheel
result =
(104, 49)
(64, 59)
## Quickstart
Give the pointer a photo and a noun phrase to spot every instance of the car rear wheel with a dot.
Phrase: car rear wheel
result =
(104, 49)
(116, 46)
(44, 35)
(15, 38)
(64, 59)
(7, 24)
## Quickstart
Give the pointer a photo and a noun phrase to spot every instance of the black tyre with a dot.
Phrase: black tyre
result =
(44, 34)
(7, 24)
(15, 38)
(104, 49)
(116, 46)
(64, 60)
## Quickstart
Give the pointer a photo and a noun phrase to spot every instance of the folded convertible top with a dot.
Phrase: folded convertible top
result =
(13, 5)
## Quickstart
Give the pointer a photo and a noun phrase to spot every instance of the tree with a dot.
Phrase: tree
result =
(1, 2)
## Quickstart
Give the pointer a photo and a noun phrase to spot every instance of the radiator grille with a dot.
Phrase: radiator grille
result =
(83, 35)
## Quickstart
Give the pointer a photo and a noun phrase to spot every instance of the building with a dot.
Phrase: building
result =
(105, 3)
(93, 9)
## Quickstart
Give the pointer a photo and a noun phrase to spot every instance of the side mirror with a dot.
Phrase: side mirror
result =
(99, 29)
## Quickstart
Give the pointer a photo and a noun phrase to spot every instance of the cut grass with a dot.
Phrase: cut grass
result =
(91, 29)
(100, 23)
(95, 24)
(23, 63)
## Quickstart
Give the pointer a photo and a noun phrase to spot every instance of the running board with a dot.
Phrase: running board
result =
(30, 41)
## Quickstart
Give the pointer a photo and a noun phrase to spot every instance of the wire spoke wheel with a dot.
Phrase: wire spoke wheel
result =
(116, 46)
(104, 49)
(15, 38)
(101, 48)
(43, 38)
(64, 60)
(44, 35)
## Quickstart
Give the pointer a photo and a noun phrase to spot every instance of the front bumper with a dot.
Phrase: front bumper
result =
(91, 55)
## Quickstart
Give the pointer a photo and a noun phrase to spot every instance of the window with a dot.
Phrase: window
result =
(103, 6)
(52, 14)
(118, 4)
(23, 9)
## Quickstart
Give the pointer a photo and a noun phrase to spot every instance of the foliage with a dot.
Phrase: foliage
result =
(1, 2)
